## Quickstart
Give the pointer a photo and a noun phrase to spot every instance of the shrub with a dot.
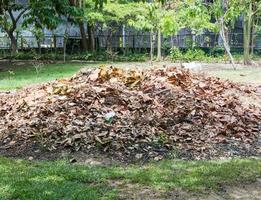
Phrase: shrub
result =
(24, 55)
(195, 54)
(176, 54)
(82, 56)
(188, 56)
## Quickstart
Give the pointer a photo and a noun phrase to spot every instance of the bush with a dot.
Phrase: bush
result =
(82, 56)
(188, 56)
(195, 54)
(176, 54)
(103, 56)
(25, 55)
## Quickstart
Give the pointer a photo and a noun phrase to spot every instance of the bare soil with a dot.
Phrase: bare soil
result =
(240, 192)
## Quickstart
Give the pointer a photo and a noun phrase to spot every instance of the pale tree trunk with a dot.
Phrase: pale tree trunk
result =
(225, 42)
(151, 46)
(172, 41)
(254, 31)
(159, 46)
(247, 35)
(253, 39)
(124, 39)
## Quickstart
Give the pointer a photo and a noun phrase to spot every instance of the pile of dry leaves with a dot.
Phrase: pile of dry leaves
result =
(135, 114)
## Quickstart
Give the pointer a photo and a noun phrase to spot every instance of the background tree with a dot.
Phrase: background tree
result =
(112, 16)
(149, 20)
(49, 14)
(9, 22)
(225, 13)
(82, 7)
(251, 11)
(255, 29)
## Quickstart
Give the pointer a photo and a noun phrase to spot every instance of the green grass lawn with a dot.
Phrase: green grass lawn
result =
(242, 75)
(25, 180)
(18, 77)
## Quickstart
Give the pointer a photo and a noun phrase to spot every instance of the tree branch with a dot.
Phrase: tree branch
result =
(21, 13)
(11, 15)
(15, 20)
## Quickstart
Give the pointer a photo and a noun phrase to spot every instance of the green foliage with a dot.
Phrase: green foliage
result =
(229, 12)
(216, 54)
(148, 19)
(45, 13)
(23, 55)
(113, 12)
(195, 55)
(190, 55)
(8, 21)
(169, 24)
(32, 55)
(103, 56)
(84, 56)
(176, 54)
(195, 16)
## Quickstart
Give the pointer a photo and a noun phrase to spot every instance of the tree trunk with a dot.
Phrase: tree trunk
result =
(151, 46)
(39, 47)
(159, 46)
(247, 35)
(124, 39)
(253, 39)
(13, 43)
(65, 41)
(225, 42)
(55, 43)
(83, 36)
(91, 39)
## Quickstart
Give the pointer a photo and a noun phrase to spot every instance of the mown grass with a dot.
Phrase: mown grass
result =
(241, 75)
(18, 77)
(22, 179)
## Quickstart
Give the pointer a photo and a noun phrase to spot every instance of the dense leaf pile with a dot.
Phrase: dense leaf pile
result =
(135, 114)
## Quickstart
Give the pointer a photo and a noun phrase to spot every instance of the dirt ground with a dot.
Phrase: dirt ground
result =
(138, 192)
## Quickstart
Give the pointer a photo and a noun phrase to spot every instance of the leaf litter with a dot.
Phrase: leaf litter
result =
(135, 114)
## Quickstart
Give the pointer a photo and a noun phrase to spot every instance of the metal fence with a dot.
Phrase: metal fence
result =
(132, 41)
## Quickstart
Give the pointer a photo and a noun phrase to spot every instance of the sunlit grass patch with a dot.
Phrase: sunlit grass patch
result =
(23, 76)
(242, 75)
(60, 180)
